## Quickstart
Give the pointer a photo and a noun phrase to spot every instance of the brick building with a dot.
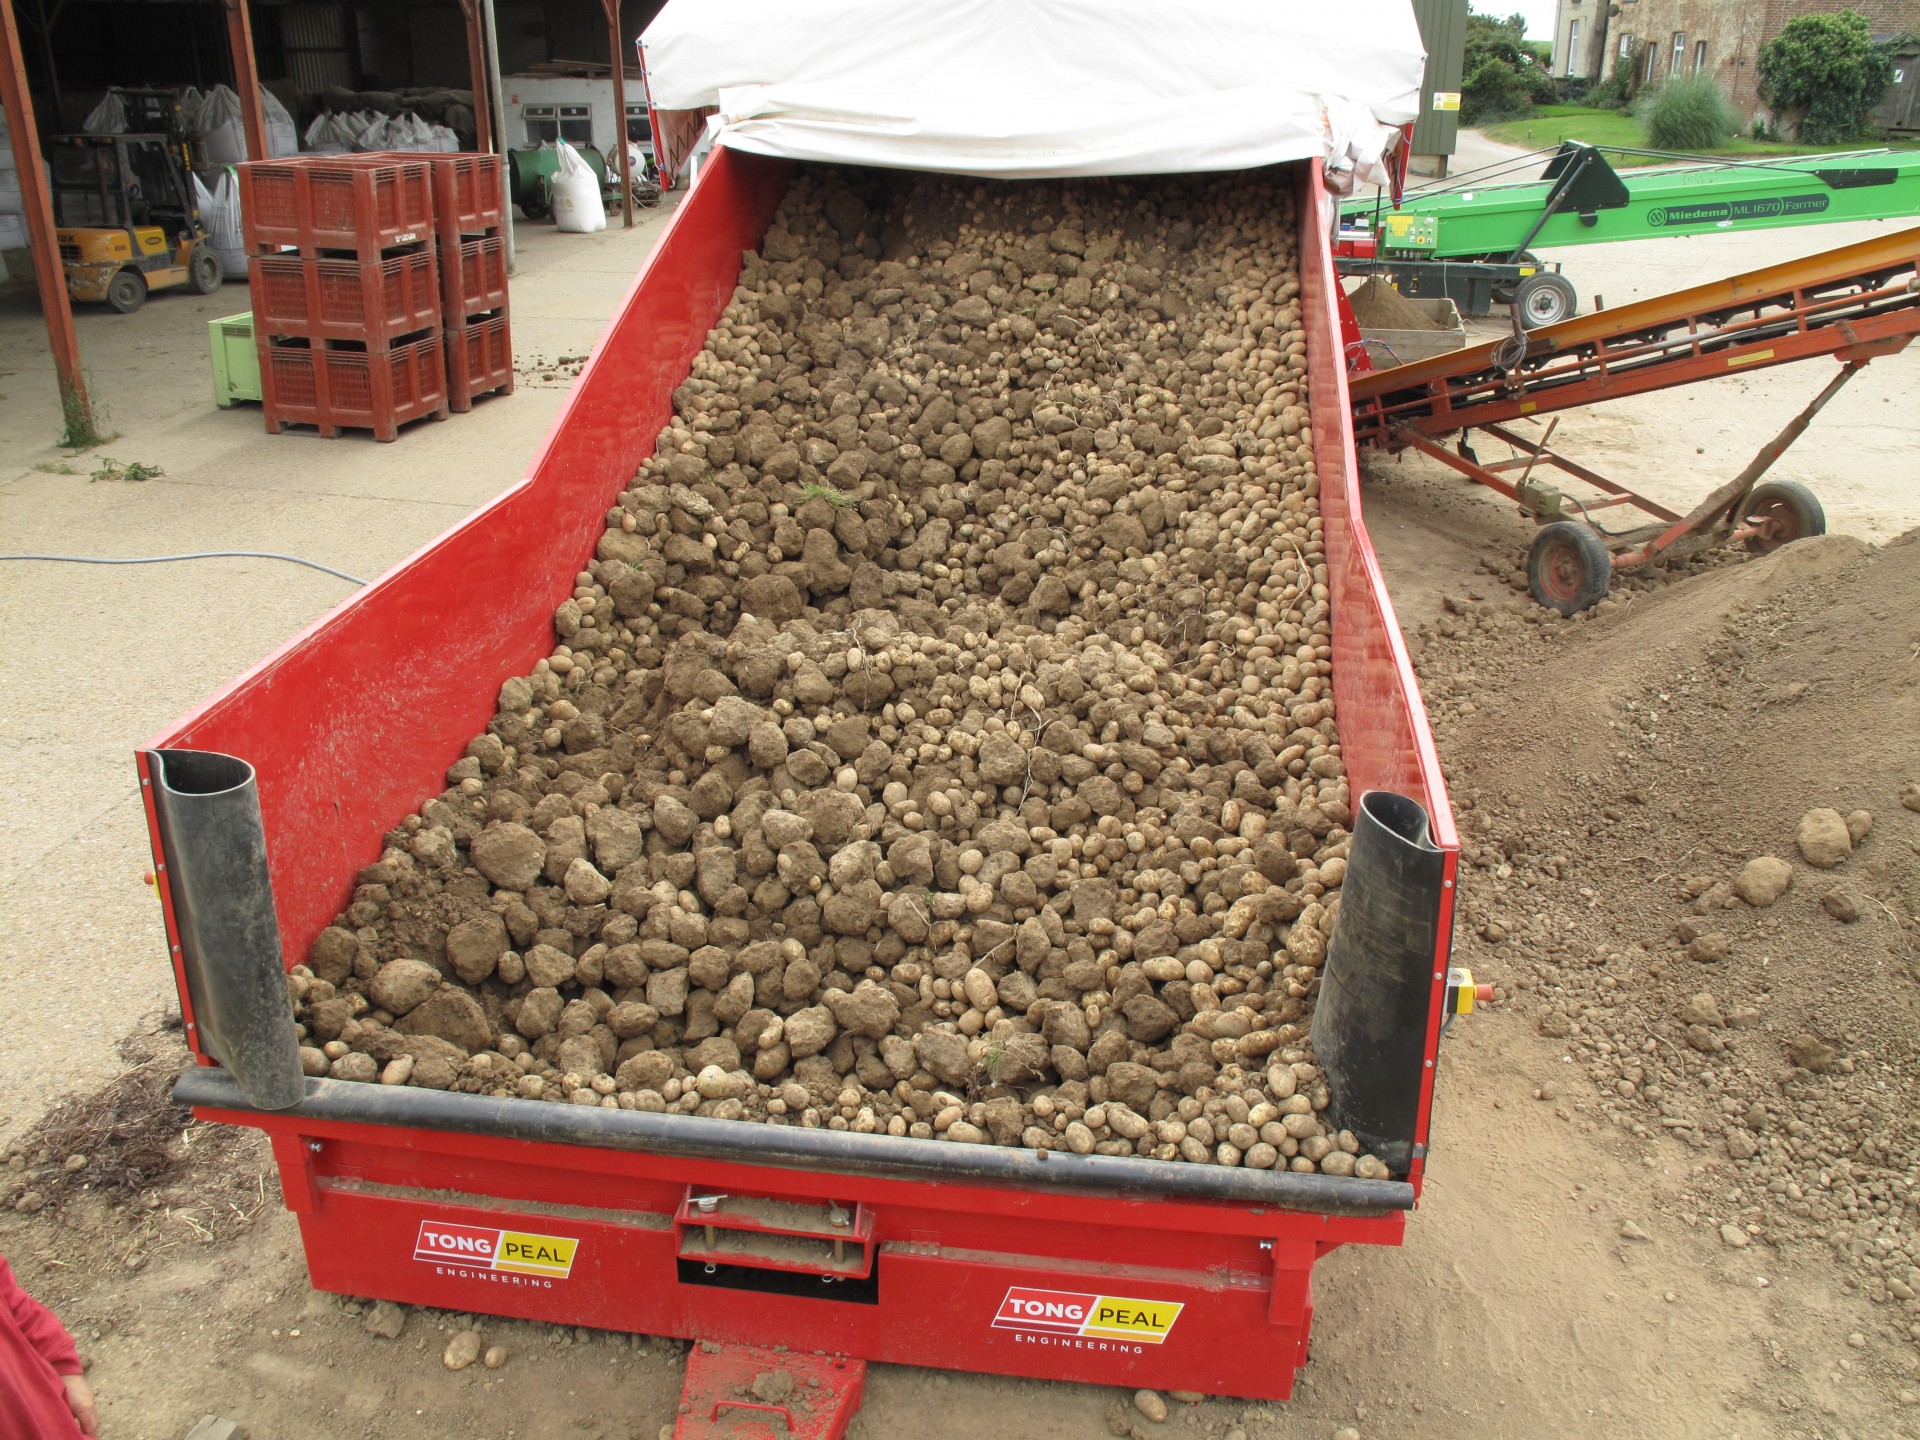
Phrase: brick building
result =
(1721, 38)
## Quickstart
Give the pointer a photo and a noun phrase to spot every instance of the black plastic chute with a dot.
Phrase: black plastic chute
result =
(1376, 987)
(215, 850)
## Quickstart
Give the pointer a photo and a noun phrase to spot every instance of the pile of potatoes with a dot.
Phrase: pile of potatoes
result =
(941, 742)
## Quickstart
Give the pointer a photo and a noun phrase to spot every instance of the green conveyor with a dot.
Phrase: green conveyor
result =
(1596, 203)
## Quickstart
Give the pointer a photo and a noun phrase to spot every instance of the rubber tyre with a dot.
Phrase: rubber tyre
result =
(1503, 294)
(1568, 568)
(534, 210)
(204, 271)
(1787, 511)
(127, 291)
(1545, 299)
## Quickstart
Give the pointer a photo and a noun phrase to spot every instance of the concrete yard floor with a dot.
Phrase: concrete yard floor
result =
(95, 660)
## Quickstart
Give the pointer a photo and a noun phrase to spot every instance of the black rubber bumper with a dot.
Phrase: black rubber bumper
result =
(794, 1148)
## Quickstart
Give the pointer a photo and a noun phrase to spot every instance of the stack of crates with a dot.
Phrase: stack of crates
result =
(346, 288)
(469, 213)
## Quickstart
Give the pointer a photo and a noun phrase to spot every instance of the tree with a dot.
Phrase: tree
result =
(1503, 77)
(1828, 67)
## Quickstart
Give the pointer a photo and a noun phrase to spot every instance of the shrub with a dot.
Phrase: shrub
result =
(1828, 67)
(1689, 114)
(1503, 77)
(1614, 92)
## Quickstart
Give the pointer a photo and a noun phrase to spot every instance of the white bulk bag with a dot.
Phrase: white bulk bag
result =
(577, 207)
(109, 117)
(283, 136)
(223, 132)
(220, 209)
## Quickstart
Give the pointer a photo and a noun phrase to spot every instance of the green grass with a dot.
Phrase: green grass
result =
(1551, 124)
(134, 470)
(814, 490)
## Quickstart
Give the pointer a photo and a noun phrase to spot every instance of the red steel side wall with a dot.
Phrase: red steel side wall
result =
(1384, 737)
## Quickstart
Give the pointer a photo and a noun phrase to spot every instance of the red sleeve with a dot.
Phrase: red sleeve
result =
(37, 1323)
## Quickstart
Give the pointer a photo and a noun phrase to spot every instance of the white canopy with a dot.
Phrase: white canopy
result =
(1041, 88)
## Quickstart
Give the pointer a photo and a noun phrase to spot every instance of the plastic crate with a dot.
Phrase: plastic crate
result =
(372, 301)
(358, 204)
(468, 194)
(473, 276)
(236, 361)
(479, 360)
(377, 390)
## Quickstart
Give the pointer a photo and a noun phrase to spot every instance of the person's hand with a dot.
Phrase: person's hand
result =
(80, 1401)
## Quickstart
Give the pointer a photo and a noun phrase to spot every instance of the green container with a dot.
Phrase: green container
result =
(236, 362)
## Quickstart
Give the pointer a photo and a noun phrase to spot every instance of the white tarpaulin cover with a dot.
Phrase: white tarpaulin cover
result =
(1043, 88)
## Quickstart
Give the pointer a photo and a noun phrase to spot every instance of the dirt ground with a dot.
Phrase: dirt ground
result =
(1638, 1221)
(1567, 1271)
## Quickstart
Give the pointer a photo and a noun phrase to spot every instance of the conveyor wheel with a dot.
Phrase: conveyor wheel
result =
(1782, 511)
(1569, 568)
(1545, 299)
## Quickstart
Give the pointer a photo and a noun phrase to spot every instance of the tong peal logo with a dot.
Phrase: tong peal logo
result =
(513, 1251)
(1106, 1317)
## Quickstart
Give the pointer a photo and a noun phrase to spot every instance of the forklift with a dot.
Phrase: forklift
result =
(126, 218)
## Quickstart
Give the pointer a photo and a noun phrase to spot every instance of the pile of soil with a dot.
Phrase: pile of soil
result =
(1700, 872)
(942, 741)
(1378, 306)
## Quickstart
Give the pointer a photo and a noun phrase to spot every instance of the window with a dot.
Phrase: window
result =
(548, 123)
(1699, 56)
(1678, 67)
(1573, 46)
(1653, 63)
(1626, 46)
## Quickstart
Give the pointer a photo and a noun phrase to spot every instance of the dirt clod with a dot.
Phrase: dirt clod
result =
(1824, 838)
(1763, 880)
(385, 1319)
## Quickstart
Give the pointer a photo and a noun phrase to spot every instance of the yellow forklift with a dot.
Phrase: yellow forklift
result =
(126, 219)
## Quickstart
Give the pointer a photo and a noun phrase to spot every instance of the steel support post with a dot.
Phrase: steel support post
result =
(477, 68)
(48, 272)
(616, 45)
(246, 78)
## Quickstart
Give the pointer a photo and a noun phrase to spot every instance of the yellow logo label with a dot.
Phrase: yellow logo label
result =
(1118, 1318)
(536, 1254)
(1755, 358)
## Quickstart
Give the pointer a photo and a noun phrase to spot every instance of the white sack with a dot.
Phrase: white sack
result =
(223, 133)
(283, 136)
(1039, 87)
(109, 117)
(577, 206)
(220, 209)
